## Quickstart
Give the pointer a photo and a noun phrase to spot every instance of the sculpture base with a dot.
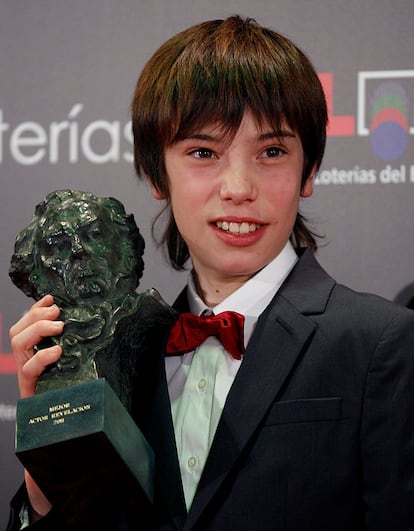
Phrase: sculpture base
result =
(81, 439)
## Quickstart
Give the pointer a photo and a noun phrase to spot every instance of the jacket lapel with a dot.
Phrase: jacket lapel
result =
(280, 337)
(167, 482)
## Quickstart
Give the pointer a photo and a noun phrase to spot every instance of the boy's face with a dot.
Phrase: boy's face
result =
(235, 203)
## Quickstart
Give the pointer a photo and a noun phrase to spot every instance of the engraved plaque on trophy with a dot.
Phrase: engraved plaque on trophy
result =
(80, 426)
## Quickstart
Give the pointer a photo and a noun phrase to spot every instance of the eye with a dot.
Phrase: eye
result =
(63, 245)
(95, 233)
(56, 245)
(91, 233)
(273, 152)
(203, 153)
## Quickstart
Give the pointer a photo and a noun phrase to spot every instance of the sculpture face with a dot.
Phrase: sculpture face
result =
(79, 251)
(81, 248)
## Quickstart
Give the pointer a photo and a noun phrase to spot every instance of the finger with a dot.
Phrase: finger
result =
(33, 368)
(22, 344)
(42, 309)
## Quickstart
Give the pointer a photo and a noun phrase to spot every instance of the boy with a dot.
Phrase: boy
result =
(309, 427)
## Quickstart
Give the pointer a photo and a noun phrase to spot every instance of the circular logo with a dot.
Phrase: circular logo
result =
(389, 122)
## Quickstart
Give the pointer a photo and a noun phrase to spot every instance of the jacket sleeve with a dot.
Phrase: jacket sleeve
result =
(16, 520)
(387, 431)
(55, 519)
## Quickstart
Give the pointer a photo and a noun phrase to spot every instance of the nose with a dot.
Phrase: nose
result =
(238, 183)
(76, 245)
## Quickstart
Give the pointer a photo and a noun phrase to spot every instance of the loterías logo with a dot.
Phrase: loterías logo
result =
(383, 112)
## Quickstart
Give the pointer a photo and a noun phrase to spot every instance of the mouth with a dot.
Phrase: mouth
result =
(238, 228)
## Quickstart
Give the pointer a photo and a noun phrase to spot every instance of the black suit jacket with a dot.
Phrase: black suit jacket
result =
(317, 433)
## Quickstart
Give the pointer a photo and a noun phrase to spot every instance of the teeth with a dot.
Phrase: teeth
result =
(237, 228)
(245, 228)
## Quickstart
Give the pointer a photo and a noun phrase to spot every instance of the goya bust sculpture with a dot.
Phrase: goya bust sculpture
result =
(87, 252)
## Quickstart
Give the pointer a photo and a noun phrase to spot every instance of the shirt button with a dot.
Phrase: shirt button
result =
(192, 462)
(202, 384)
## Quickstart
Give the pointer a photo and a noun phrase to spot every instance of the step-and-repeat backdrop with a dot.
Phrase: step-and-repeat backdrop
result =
(67, 73)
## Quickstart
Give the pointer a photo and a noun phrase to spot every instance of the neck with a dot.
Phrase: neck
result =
(215, 291)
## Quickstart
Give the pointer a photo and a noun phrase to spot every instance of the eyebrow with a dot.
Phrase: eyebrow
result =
(283, 133)
(201, 136)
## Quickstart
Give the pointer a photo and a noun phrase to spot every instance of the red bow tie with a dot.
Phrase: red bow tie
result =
(191, 330)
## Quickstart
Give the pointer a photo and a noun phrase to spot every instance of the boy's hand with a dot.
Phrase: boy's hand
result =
(37, 323)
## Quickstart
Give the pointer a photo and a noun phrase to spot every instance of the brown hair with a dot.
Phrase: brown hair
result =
(210, 74)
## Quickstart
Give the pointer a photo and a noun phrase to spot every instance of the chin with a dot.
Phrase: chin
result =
(241, 269)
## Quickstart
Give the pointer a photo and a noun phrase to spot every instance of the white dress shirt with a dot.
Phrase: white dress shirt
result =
(199, 381)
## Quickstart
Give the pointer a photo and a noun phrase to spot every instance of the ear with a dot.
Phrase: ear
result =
(307, 188)
(156, 194)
